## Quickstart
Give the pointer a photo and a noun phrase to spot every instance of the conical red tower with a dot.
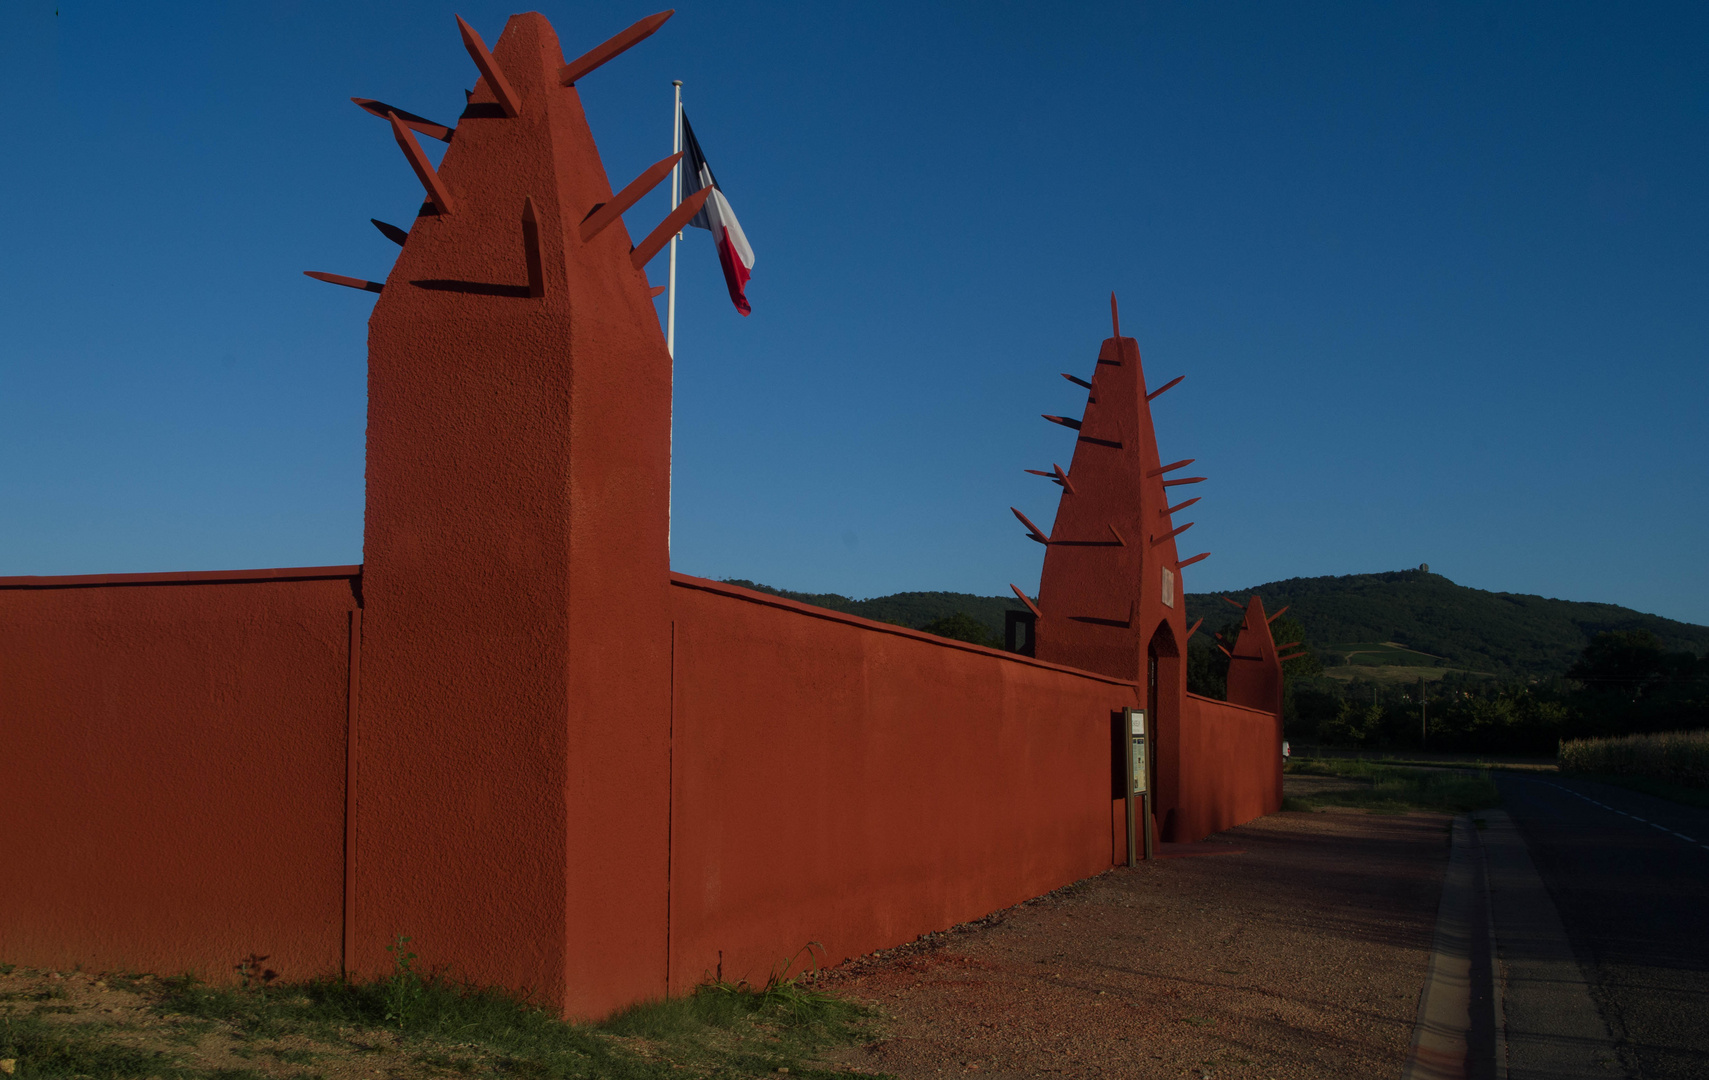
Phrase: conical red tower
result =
(1110, 596)
(516, 653)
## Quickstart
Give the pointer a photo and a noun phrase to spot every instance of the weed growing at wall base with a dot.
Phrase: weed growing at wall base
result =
(135, 1027)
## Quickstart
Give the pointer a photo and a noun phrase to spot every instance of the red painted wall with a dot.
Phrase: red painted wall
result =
(857, 784)
(172, 767)
(1231, 766)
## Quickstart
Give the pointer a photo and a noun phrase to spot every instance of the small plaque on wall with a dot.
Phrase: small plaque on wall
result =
(1168, 587)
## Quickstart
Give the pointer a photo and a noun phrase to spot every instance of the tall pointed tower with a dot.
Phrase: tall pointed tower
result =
(1110, 597)
(515, 559)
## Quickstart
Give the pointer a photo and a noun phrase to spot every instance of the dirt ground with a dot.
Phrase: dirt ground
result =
(1302, 955)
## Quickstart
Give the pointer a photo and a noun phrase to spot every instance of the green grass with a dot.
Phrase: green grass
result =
(720, 1029)
(405, 1025)
(1395, 789)
(44, 1049)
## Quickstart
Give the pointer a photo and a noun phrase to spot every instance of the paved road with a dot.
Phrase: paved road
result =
(1629, 875)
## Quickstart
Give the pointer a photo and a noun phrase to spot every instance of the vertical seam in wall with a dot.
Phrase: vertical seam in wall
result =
(354, 687)
(670, 809)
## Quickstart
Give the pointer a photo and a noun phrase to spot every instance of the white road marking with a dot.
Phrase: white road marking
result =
(1622, 813)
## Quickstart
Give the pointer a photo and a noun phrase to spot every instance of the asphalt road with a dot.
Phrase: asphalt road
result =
(1629, 875)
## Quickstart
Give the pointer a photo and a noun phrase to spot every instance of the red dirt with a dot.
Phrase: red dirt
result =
(1302, 957)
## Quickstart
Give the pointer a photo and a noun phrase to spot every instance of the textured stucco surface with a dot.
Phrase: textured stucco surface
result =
(172, 766)
(840, 782)
(512, 802)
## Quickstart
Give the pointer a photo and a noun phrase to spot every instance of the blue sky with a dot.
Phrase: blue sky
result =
(1437, 275)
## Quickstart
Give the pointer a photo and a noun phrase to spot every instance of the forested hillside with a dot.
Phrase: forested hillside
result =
(1505, 634)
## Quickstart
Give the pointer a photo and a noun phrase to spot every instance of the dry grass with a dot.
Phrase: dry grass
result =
(1675, 757)
(142, 1027)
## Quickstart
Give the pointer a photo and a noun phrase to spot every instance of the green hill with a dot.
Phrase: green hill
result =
(1372, 619)
(911, 609)
(1390, 618)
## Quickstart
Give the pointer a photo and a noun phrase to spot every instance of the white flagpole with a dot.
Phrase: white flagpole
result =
(676, 199)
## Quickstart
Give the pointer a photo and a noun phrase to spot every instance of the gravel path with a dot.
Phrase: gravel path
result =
(1302, 956)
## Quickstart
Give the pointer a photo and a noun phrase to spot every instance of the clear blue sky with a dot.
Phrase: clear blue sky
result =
(1437, 275)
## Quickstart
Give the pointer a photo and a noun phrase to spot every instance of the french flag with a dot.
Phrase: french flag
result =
(717, 218)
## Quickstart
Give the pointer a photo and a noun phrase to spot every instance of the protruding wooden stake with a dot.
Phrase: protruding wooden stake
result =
(1193, 629)
(612, 47)
(1167, 510)
(390, 232)
(1033, 531)
(1194, 559)
(606, 213)
(673, 224)
(1063, 420)
(1278, 613)
(531, 246)
(496, 82)
(436, 192)
(1161, 469)
(1171, 534)
(1186, 480)
(410, 120)
(657, 290)
(349, 282)
(1076, 380)
(1032, 607)
(1120, 539)
(1235, 604)
(1115, 318)
(1062, 478)
(1176, 381)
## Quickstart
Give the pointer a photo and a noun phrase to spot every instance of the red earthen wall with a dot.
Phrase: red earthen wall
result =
(857, 784)
(172, 767)
(1231, 766)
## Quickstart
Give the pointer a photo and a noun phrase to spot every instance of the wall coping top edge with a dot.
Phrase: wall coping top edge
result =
(184, 577)
(688, 581)
(1230, 705)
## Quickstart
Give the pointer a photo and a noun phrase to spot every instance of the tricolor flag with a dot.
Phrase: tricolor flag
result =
(717, 217)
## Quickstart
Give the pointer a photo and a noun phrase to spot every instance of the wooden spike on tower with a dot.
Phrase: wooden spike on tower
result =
(1166, 511)
(1196, 558)
(1062, 478)
(436, 192)
(1186, 480)
(1076, 380)
(1120, 539)
(1032, 607)
(1193, 629)
(674, 223)
(1171, 534)
(1033, 531)
(1161, 469)
(1278, 613)
(390, 232)
(612, 47)
(1236, 605)
(1171, 383)
(1063, 420)
(1115, 318)
(348, 282)
(629, 196)
(496, 82)
(410, 120)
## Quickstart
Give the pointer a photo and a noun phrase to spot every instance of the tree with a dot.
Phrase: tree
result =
(963, 627)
